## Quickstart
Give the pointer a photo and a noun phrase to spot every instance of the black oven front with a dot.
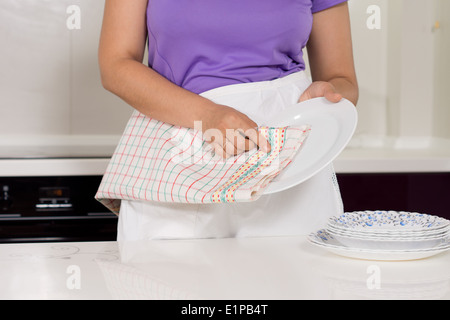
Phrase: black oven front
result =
(50, 209)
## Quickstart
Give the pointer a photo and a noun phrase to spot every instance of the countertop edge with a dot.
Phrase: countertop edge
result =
(345, 163)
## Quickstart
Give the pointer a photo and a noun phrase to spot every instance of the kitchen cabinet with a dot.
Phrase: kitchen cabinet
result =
(412, 192)
(367, 182)
(392, 178)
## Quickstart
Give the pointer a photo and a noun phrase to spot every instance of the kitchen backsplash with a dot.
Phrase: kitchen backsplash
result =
(50, 80)
(50, 83)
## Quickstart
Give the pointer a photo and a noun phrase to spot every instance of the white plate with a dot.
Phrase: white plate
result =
(332, 126)
(385, 256)
(392, 244)
(326, 241)
(393, 237)
(388, 222)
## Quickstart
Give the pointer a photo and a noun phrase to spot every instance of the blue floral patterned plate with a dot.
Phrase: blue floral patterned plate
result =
(380, 221)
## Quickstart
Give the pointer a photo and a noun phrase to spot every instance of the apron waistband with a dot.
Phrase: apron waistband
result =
(256, 86)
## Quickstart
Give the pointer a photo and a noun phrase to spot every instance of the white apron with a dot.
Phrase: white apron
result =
(296, 211)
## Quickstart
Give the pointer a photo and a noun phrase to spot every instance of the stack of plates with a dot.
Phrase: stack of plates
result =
(384, 235)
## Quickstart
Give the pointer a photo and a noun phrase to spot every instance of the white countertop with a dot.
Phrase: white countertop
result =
(434, 156)
(287, 268)
(384, 157)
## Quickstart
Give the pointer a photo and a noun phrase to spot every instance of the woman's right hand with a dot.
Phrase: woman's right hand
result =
(231, 132)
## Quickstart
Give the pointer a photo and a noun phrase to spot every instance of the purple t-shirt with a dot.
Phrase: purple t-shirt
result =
(204, 44)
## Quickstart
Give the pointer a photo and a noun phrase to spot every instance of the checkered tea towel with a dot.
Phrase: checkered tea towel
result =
(155, 161)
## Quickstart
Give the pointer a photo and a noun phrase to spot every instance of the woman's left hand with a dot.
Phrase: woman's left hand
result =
(321, 89)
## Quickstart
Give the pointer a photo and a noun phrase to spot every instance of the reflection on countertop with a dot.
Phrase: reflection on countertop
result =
(286, 268)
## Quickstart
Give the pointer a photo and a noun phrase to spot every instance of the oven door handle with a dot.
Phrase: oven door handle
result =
(18, 217)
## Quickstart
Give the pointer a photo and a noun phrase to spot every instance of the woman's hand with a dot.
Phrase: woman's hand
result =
(321, 89)
(231, 132)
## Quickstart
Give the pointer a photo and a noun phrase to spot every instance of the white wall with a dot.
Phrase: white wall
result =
(50, 82)
(370, 54)
(403, 72)
(441, 111)
(411, 63)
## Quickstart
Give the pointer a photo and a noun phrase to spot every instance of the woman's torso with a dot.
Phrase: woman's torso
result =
(205, 44)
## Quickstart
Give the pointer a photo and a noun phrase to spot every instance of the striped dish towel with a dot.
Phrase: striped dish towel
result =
(155, 161)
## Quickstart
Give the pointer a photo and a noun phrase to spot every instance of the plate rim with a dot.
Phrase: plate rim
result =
(324, 105)
(380, 251)
(443, 225)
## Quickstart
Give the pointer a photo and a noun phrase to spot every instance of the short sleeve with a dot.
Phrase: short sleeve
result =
(319, 5)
